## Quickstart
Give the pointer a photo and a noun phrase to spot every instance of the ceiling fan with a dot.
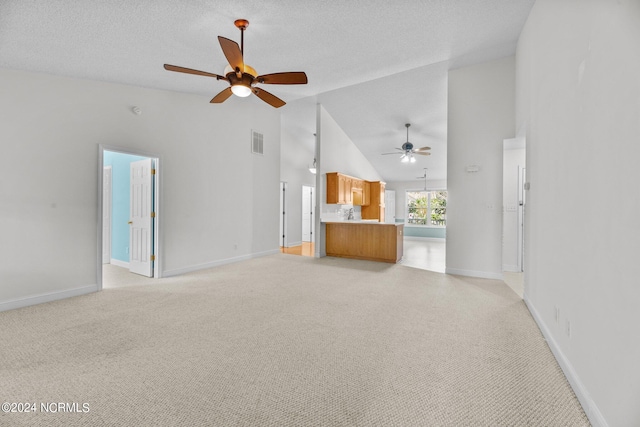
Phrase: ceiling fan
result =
(241, 77)
(408, 151)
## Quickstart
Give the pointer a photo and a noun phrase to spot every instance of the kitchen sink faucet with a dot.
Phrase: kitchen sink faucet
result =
(350, 214)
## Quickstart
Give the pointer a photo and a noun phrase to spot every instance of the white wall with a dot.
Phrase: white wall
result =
(340, 154)
(481, 116)
(215, 193)
(512, 163)
(295, 158)
(579, 101)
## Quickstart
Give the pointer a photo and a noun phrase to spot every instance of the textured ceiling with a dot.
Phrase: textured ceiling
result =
(374, 64)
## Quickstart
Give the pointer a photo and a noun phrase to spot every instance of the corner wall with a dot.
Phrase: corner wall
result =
(481, 115)
(578, 89)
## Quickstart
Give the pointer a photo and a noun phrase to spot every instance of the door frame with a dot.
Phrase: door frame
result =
(109, 202)
(157, 242)
(283, 216)
(312, 223)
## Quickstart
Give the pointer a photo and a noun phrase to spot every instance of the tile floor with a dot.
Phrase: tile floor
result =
(424, 254)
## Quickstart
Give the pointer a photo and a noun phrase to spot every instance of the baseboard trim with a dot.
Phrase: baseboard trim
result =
(294, 244)
(511, 268)
(473, 273)
(48, 297)
(212, 264)
(590, 408)
(119, 263)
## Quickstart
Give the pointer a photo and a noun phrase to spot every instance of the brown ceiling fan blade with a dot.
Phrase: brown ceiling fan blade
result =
(269, 98)
(422, 149)
(177, 69)
(422, 153)
(290, 78)
(233, 53)
(222, 96)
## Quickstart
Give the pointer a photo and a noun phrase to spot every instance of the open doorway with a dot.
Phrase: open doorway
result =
(128, 217)
(297, 221)
(513, 201)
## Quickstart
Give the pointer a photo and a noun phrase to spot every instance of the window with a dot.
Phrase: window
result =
(427, 208)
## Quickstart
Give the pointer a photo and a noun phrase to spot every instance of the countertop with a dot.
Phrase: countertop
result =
(357, 222)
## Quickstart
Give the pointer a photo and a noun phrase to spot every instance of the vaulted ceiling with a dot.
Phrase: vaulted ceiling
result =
(374, 65)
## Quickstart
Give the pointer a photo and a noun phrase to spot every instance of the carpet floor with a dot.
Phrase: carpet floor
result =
(286, 341)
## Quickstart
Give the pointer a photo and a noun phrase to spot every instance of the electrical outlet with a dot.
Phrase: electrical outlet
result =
(568, 328)
(557, 315)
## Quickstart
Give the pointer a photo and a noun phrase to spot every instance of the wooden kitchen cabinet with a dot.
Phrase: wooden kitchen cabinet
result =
(341, 189)
(335, 188)
(348, 192)
(357, 191)
(375, 207)
(356, 184)
(366, 193)
(374, 242)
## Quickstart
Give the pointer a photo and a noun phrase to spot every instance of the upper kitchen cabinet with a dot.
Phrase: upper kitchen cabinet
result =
(366, 193)
(335, 188)
(345, 190)
(357, 192)
(375, 208)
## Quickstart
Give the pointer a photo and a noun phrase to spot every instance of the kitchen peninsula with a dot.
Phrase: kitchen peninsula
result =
(368, 240)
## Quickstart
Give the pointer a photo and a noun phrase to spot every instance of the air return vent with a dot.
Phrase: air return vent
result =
(257, 142)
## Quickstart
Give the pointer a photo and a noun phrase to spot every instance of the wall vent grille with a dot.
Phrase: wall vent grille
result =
(257, 142)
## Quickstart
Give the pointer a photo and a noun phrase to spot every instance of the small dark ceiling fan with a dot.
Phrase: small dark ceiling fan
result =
(408, 151)
(243, 78)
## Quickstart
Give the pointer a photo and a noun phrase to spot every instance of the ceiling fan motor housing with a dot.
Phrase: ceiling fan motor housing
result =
(248, 75)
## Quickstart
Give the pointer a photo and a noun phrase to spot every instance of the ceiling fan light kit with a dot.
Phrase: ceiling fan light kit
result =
(241, 77)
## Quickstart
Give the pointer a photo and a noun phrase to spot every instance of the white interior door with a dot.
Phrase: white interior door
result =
(140, 218)
(390, 206)
(308, 223)
(106, 215)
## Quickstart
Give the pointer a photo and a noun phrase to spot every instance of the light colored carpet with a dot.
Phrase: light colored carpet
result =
(288, 341)
(515, 280)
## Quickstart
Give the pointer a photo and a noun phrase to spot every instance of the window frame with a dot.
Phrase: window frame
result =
(406, 207)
